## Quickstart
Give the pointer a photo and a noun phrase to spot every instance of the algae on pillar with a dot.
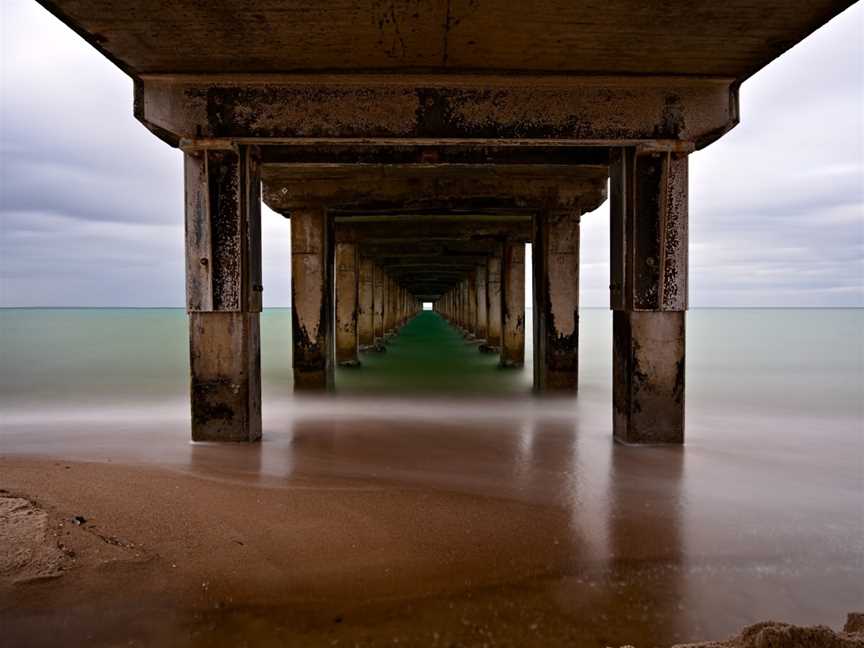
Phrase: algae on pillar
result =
(648, 293)
(311, 302)
(223, 291)
(513, 305)
(556, 300)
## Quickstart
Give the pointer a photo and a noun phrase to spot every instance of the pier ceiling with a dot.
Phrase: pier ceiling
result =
(730, 39)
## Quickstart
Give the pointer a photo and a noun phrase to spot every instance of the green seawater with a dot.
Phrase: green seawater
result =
(790, 361)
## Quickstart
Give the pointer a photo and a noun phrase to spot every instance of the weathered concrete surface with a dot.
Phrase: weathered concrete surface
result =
(347, 286)
(380, 288)
(648, 376)
(513, 305)
(648, 290)
(223, 292)
(556, 301)
(434, 186)
(558, 36)
(366, 304)
(493, 302)
(311, 306)
(648, 230)
(481, 302)
(225, 362)
(223, 230)
(571, 110)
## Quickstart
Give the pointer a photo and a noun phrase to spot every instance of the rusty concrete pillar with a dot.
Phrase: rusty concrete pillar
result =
(556, 300)
(347, 298)
(481, 303)
(648, 293)
(513, 305)
(366, 305)
(493, 302)
(223, 292)
(380, 292)
(311, 298)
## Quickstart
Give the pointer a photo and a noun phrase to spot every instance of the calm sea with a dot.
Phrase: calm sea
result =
(786, 362)
(760, 515)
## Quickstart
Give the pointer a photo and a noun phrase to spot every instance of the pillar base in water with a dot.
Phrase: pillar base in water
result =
(310, 380)
(648, 377)
(226, 376)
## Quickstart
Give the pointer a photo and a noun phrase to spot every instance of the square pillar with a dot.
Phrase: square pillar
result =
(311, 298)
(347, 288)
(223, 291)
(482, 313)
(493, 302)
(378, 303)
(556, 300)
(513, 308)
(471, 305)
(366, 306)
(648, 293)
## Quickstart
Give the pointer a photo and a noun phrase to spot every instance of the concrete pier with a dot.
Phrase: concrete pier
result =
(556, 300)
(513, 305)
(311, 302)
(425, 152)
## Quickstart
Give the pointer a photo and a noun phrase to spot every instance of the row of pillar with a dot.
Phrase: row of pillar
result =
(370, 305)
(489, 304)
(648, 292)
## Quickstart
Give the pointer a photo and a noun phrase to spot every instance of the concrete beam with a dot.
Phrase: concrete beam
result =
(437, 109)
(434, 186)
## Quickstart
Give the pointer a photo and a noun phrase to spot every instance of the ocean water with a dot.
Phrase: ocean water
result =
(760, 514)
(806, 362)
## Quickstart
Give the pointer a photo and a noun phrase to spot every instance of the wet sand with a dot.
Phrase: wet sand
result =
(370, 522)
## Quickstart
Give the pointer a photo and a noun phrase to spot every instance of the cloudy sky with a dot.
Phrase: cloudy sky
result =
(91, 202)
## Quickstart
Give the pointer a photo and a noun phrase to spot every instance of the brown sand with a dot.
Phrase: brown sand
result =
(106, 554)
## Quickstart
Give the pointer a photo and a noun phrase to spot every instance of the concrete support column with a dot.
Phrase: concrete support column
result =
(493, 302)
(482, 313)
(311, 298)
(380, 289)
(347, 298)
(471, 286)
(390, 308)
(556, 300)
(223, 291)
(366, 306)
(648, 293)
(513, 309)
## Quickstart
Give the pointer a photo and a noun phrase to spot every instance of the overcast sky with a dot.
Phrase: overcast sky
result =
(91, 210)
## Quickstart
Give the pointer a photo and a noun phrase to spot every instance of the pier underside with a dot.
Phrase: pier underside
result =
(416, 149)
